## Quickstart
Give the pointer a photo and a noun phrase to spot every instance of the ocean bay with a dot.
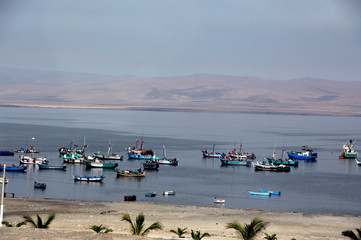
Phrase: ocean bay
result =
(329, 185)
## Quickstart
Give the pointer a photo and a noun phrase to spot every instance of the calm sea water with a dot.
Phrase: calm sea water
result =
(328, 185)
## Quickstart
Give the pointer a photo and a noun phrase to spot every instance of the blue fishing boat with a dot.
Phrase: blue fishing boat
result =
(151, 194)
(212, 154)
(6, 153)
(271, 192)
(234, 162)
(305, 154)
(260, 193)
(13, 167)
(39, 185)
(139, 154)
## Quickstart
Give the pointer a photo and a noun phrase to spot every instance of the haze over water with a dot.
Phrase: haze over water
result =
(328, 185)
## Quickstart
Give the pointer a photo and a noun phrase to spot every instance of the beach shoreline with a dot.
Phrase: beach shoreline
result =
(74, 218)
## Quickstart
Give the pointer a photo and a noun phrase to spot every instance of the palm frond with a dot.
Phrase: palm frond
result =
(20, 224)
(7, 224)
(30, 220)
(126, 217)
(350, 234)
(40, 221)
(154, 226)
(48, 220)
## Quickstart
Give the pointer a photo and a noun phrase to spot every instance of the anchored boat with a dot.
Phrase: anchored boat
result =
(348, 150)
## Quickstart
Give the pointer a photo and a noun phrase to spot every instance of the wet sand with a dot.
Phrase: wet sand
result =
(74, 218)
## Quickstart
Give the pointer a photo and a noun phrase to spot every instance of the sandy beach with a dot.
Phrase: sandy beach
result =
(74, 218)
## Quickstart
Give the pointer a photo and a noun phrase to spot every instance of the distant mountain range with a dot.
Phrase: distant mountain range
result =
(199, 92)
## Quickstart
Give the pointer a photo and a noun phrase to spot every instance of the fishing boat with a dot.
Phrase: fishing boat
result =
(139, 154)
(74, 157)
(271, 192)
(130, 173)
(164, 160)
(226, 160)
(305, 154)
(27, 150)
(270, 167)
(287, 162)
(168, 193)
(260, 193)
(167, 161)
(55, 167)
(219, 200)
(13, 167)
(281, 161)
(6, 153)
(150, 165)
(212, 154)
(109, 155)
(151, 194)
(358, 162)
(39, 185)
(241, 155)
(30, 160)
(130, 197)
(349, 150)
(88, 178)
(100, 164)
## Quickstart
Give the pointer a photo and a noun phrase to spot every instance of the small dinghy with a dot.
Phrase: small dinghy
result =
(219, 200)
(260, 193)
(39, 185)
(271, 192)
(167, 193)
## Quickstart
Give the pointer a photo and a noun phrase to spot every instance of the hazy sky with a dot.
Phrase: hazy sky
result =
(276, 39)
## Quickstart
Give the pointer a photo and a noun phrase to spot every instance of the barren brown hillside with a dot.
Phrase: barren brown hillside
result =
(200, 92)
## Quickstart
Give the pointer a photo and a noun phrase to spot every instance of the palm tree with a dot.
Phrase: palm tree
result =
(270, 237)
(179, 232)
(352, 235)
(198, 236)
(138, 226)
(248, 231)
(100, 228)
(12, 225)
(40, 223)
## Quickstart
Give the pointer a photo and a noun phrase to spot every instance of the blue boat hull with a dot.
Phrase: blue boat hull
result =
(139, 157)
(284, 162)
(271, 192)
(295, 155)
(11, 168)
(235, 162)
(260, 193)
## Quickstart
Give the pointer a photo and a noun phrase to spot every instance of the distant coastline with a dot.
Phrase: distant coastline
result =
(191, 93)
(157, 109)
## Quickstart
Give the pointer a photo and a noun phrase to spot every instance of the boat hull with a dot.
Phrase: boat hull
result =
(268, 194)
(101, 165)
(88, 178)
(54, 167)
(299, 156)
(14, 168)
(284, 162)
(6, 153)
(235, 162)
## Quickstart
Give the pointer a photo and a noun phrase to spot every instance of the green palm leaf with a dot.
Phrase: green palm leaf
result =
(138, 226)
(248, 231)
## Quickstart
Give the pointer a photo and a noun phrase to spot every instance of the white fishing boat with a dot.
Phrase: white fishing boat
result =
(219, 200)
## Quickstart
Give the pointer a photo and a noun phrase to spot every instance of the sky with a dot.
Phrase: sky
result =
(154, 38)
